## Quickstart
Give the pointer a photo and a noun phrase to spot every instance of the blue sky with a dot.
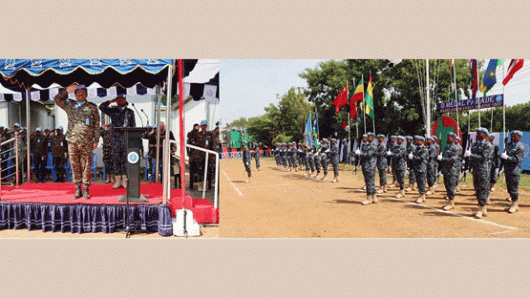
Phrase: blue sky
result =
(249, 85)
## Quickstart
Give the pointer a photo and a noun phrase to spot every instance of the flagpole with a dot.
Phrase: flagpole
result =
(428, 101)
(503, 106)
(478, 100)
(364, 105)
(373, 103)
(456, 99)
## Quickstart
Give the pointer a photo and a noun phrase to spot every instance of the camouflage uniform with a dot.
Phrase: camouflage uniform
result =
(381, 162)
(204, 140)
(399, 163)
(246, 160)
(107, 152)
(257, 156)
(82, 134)
(495, 162)
(512, 168)
(59, 149)
(294, 156)
(152, 150)
(316, 161)
(192, 140)
(391, 146)
(432, 164)
(410, 149)
(369, 163)
(450, 168)
(334, 156)
(419, 164)
(324, 157)
(310, 160)
(480, 162)
(120, 117)
(39, 149)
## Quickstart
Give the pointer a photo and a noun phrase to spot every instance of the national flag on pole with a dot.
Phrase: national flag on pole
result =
(315, 130)
(452, 73)
(474, 77)
(369, 99)
(341, 99)
(490, 78)
(308, 131)
(358, 95)
(514, 66)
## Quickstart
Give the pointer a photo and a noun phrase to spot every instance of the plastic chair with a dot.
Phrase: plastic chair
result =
(50, 166)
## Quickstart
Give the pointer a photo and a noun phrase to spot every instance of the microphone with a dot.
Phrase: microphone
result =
(142, 121)
(145, 116)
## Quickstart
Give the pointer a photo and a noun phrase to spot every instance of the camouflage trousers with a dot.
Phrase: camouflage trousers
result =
(421, 179)
(60, 171)
(119, 153)
(369, 180)
(81, 161)
(481, 185)
(247, 168)
(512, 184)
(294, 161)
(108, 160)
(432, 174)
(400, 177)
(335, 164)
(324, 162)
(493, 175)
(382, 176)
(39, 161)
(450, 183)
(317, 163)
(257, 157)
(310, 163)
(412, 177)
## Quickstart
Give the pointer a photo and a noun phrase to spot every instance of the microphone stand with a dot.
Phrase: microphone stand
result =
(142, 121)
(142, 110)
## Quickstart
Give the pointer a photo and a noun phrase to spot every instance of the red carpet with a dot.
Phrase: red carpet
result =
(103, 194)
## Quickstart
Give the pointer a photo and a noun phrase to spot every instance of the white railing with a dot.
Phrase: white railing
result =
(15, 140)
(208, 152)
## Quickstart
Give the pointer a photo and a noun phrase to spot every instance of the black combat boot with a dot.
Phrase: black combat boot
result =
(86, 195)
(78, 193)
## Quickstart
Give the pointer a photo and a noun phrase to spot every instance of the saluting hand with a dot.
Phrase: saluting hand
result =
(71, 88)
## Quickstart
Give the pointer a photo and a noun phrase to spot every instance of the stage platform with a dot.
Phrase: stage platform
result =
(51, 207)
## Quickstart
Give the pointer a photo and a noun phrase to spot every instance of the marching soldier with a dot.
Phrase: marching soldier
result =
(381, 162)
(293, 157)
(334, 156)
(59, 149)
(450, 168)
(495, 162)
(82, 135)
(257, 155)
(246, 160)
(480, 156)
(393, 143)
(419, 164)
(412, 179)
(458, 143)
(316, 161)
(432, 164)
(120, 116)
(513, 156)
(324, 150)
(368, 163)
(399, 163)
(39, 149)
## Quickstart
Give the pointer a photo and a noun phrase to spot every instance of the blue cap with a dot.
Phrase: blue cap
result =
(434, 138)
(371, 134)
(392, 137)
(365, 135)
(518, 132)
(458, 138)
(408, 137)
(380, 135)
(401, 138)
(334, 140)
(80, 87)
(482, 129)
(204, 122)
(38, 129)
(59, 128)
(16, 125)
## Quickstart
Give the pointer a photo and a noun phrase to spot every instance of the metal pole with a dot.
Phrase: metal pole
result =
(157, 159)
(428, 101)
(456, 99)
(182, 141)
(166, 158)
(17, 181)
(503, 107)
(205, 175)
(478, 102)
(364, 105)
(28, 129)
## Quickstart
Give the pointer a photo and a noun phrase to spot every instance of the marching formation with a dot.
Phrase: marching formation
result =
(418, 157)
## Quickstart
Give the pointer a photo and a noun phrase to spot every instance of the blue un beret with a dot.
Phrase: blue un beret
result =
(401, 138)
(518, 132)
(482, 129)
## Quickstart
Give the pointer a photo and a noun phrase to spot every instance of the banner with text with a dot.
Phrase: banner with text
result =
(471, 104)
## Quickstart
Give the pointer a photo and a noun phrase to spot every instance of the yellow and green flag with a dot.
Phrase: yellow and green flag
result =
(369, 99)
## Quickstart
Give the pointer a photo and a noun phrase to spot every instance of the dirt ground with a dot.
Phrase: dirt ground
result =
(278, 204)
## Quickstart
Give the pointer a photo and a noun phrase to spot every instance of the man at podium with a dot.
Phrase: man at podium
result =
(120, 116)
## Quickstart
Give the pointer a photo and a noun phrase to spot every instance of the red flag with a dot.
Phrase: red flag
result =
(358, 95)
(344, 124)
(341, 99)
(514, 66)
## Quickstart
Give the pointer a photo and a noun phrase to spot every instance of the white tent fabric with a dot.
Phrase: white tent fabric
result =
(204, 70)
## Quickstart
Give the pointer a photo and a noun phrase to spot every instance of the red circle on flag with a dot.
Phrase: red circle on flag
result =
(443, 126)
